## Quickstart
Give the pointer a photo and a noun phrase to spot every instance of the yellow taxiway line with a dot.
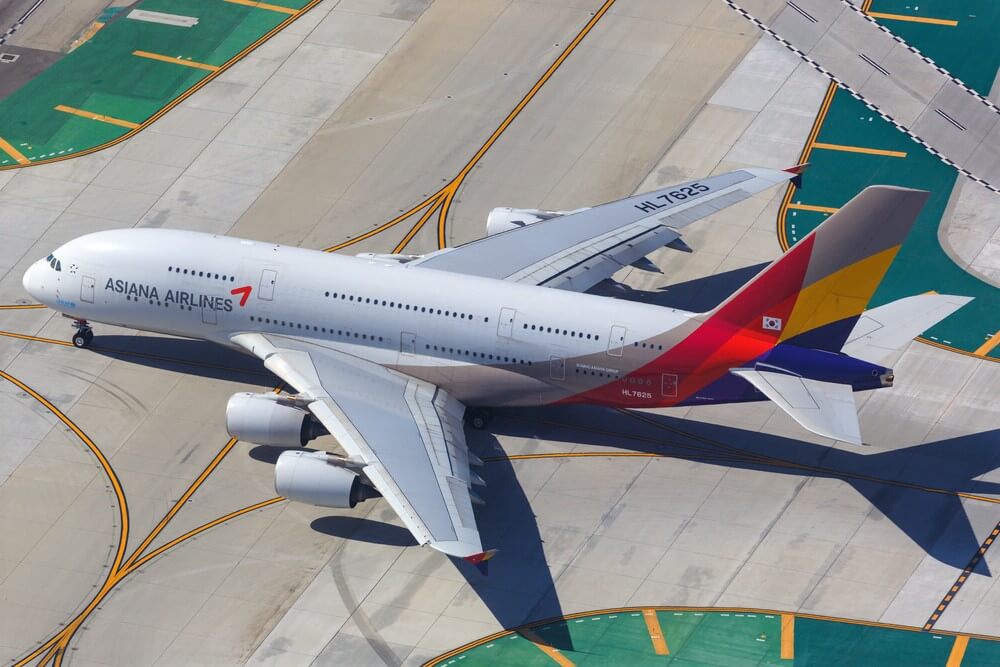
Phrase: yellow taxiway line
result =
(553, 653)
(96, 116)
(810, 207)
(176, 60)
(264, 5)
(787, 636)
(655, 632)
(988, 346)
(858, 149)
(957, 651)
(7, 148)
(912, 19)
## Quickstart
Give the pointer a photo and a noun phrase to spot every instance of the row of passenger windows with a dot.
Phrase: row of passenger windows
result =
(650, 346)
(313, 327)
(401, 306)
(201, 274)
(564, 332)
(476, 355)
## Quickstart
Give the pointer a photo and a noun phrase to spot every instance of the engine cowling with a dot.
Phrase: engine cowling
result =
(504, 218)
(265, 419)
(310, 477)
(387, 258)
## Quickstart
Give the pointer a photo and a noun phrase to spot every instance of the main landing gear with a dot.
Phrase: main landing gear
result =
(478, 418)
(84, 334)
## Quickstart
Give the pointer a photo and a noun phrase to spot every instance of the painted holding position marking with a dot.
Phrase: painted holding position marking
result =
(386, 351)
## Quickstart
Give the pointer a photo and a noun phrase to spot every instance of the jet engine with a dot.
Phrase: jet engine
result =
(315, 478)
(387, 258)
(269, 419)
(504, 218)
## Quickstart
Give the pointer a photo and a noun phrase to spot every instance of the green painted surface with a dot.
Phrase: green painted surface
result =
(102, 76)
(725, 639)
(982, 653)
(835, 177)
(831, 644)
(967, 50)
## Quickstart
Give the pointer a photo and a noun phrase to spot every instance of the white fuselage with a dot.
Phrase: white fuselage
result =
(486, 341)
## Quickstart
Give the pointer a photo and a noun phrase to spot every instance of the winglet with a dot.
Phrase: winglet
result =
(481, 560)
(797, 170)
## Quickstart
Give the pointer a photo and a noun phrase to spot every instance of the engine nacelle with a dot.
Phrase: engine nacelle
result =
(504, 218)
(266, 419)
(310, 477)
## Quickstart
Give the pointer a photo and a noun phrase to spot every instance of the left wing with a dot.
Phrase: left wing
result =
(578, 250)
(405, 435)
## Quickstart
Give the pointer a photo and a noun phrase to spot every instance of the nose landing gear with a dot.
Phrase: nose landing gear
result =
(84, 334)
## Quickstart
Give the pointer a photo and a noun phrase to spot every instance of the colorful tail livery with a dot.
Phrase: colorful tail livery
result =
(786, 330)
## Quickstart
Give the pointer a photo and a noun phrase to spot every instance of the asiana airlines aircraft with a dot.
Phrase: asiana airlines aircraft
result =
(392, 354)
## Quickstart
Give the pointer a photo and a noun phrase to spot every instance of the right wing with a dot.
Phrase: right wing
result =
(580, 249)
(881, 331)
(824, 408)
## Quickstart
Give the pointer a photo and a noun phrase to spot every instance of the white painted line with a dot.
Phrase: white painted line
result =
(166, 19)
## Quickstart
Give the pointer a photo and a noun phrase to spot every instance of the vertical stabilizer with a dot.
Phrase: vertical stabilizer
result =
(813, 295)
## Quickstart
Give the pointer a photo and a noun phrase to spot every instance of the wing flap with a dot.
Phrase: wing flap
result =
(824, 408)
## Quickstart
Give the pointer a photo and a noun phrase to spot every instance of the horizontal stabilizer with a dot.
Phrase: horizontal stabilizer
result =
(881, 331)
(824, 408)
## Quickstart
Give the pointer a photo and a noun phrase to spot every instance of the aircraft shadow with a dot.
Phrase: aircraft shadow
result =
(698, 295)
(185, 355)
(895, 482)
(519, 587)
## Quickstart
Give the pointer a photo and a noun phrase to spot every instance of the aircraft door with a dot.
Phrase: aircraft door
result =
(557, 368)
(616, 340)
(407, 343)
(669, 385)
(505, 329)
(87, 289)
(209, 316)
(267, 280)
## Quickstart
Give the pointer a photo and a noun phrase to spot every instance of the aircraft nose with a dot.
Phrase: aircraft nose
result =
(30, 280)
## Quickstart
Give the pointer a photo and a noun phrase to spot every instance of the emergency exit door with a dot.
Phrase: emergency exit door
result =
(87, 289)
(267, 280)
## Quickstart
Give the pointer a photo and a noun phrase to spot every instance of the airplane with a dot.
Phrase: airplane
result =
(393, 354)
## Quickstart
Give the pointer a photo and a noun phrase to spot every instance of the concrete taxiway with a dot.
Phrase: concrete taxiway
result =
(136, 532)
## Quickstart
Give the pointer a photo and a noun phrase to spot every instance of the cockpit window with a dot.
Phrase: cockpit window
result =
(54, 263)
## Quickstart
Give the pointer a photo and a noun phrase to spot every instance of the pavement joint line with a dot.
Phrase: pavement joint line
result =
(176, 60)
(978, 556)
(264, 5)
(787, 636)
(988, 346)
(859, 97)
(863, 11)
(913, 19)
(655, 632)
(858, 149)
(9, 149)
(96, 116)
(810, 207)
(550, 651)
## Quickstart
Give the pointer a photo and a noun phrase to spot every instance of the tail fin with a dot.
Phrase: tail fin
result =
(813, 295)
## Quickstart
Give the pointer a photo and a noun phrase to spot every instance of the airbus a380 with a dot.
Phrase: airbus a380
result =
(385, 352)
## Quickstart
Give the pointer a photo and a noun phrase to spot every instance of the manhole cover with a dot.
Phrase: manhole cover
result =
(8, 57)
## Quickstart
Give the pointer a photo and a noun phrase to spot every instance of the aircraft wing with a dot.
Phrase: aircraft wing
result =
(822, 407)
(405, 434)
(578, 250)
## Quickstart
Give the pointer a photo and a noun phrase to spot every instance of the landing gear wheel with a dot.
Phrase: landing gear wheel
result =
(83, 336)
(479, 418)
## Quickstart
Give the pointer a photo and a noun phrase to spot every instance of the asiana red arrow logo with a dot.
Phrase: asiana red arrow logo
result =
(245, 292)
